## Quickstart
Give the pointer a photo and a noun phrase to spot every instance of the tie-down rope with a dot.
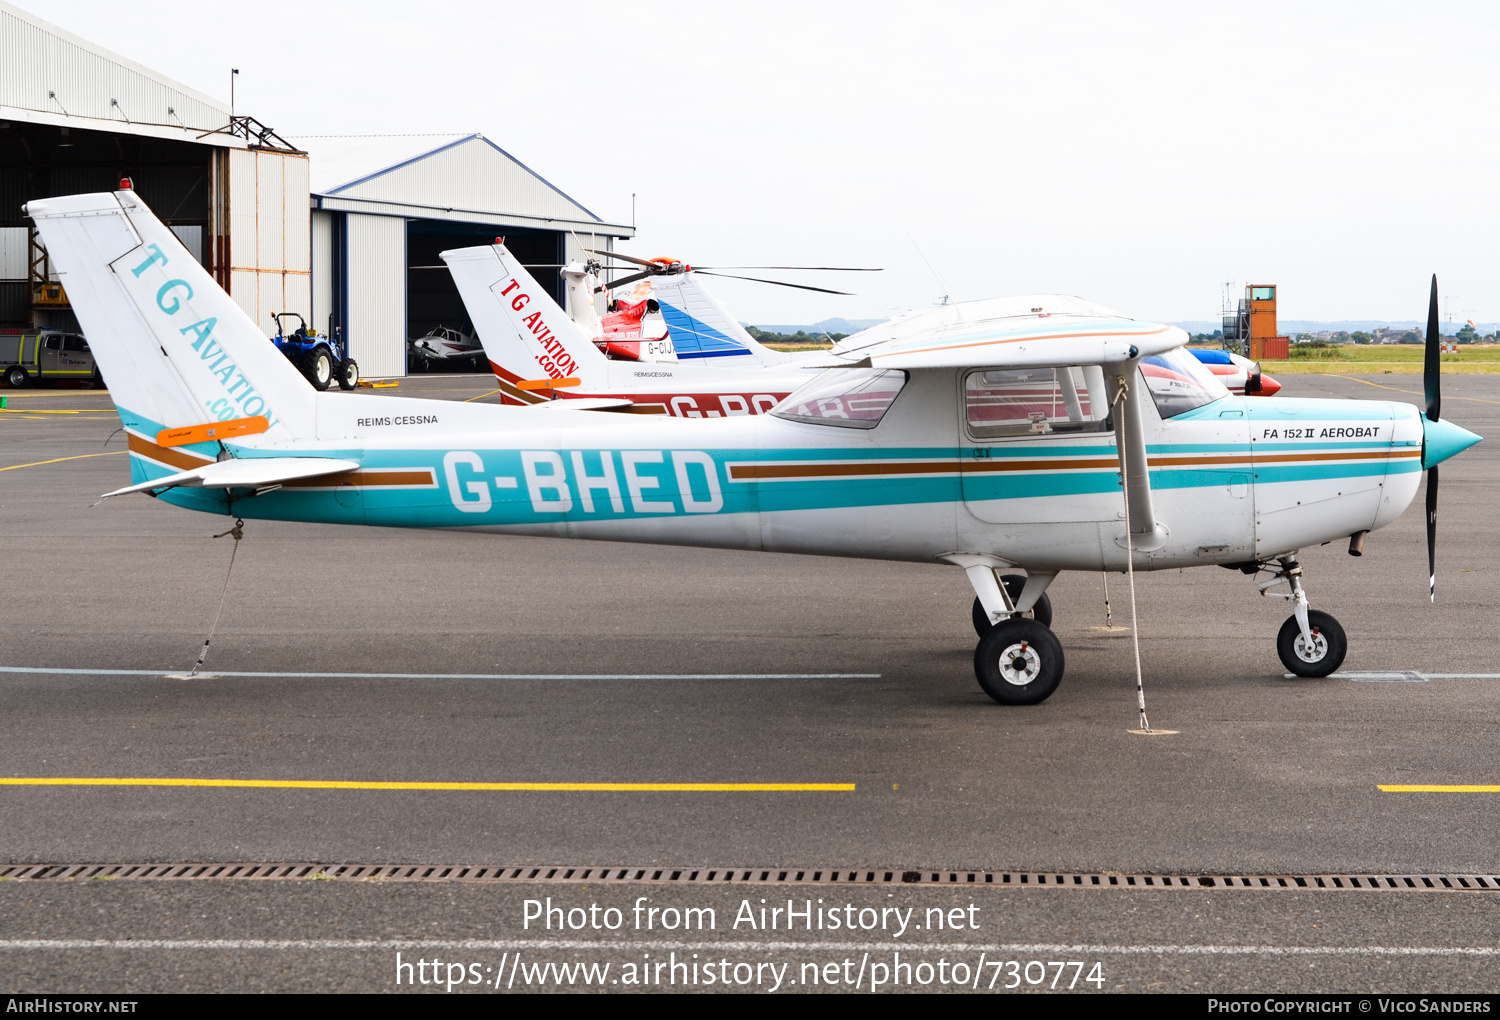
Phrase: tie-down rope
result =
(238, 531)
(1121, 392)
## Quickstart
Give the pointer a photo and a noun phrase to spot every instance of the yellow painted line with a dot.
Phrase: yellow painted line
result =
(481, 396)
(59, 460)
(1477, 400)
(37, 410)
(328, 784)
(1430, 788)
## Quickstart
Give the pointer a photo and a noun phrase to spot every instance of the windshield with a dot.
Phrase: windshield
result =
(1180, 382)
(851, 398)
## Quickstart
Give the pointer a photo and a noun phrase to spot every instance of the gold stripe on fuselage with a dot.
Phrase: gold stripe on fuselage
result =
(808, 470)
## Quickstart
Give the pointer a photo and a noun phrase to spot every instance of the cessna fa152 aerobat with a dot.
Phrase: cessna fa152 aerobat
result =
(996, 440)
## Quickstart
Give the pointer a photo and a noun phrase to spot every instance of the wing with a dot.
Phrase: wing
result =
(1034, 344)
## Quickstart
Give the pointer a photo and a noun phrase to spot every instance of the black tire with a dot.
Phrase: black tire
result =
(349, 374)
(1019, 662)
(17, 377)
(1328, 637)
(320, 369)
(1041, 612)
(97, 382)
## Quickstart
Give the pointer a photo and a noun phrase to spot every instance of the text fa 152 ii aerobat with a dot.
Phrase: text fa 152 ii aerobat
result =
(996, 436)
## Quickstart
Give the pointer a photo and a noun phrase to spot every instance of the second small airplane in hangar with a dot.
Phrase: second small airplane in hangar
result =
(997, 440)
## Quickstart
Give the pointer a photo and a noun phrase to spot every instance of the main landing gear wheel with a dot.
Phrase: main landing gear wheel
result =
(1019, 662)
(1320, 658)
(1041, 612)
(320, 370)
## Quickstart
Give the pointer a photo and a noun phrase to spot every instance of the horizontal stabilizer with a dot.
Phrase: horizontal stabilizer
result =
(251, 473)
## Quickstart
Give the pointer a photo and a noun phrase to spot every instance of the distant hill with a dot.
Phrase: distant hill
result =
(826, 326)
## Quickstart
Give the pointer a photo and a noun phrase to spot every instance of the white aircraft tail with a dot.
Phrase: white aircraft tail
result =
(527, 337)
(702, 329)
(174, 349)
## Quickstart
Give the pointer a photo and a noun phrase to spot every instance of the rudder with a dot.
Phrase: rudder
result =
(526, 335)
(173, 347)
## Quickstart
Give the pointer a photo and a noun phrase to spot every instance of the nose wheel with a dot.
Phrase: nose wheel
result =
(1310, 643)
(1319, 652)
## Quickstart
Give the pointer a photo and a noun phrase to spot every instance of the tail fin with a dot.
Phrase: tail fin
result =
(174, 348)
(526, 336)
(702, 328)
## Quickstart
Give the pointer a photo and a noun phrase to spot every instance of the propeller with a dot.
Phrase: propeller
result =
(1433, 386)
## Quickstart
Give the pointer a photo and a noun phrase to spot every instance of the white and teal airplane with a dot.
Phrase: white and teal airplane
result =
(996, 441)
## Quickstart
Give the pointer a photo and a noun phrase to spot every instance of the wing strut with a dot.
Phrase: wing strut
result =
(1131, 447)
(1137, 484)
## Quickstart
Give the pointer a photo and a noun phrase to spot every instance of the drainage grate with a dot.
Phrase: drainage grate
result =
(739, 876)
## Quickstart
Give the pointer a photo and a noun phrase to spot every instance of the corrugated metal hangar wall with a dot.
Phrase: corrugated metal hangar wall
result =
(346, 234)
(76, 118)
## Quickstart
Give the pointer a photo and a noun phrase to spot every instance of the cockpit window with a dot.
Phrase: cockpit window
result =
(1180, 382)
(1035, 402)
(851, 398)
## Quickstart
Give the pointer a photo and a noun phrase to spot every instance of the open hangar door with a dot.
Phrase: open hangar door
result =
(431, 298)
(43, 161)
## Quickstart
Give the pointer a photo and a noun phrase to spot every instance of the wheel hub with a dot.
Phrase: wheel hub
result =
(1314, 652)
(1020, 664)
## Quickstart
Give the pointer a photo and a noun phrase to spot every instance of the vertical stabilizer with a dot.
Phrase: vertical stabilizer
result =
(526, 335)
(174, 349)
(703, 330)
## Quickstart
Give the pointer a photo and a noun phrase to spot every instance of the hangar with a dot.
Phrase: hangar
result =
(337, 229)
(385, 206)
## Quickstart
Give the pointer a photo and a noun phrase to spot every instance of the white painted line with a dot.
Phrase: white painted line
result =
(602, 945)
(46, 670)
(1397, 676)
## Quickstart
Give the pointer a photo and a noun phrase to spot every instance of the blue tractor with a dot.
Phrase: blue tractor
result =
(319, 356)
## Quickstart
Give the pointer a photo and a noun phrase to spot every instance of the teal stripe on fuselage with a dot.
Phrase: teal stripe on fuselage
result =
(435, 506)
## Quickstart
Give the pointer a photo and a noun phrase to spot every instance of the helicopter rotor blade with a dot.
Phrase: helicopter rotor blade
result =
(777, 283)
(625, 258)
(624, 280)
(823, 269)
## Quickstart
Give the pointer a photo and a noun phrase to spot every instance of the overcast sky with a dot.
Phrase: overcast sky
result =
(1138, 154)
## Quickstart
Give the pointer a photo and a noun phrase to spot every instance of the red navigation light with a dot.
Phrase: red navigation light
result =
(499, 240)
(126, 184)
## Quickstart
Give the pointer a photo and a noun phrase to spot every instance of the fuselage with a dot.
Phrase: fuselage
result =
(1233, 480)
